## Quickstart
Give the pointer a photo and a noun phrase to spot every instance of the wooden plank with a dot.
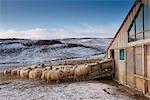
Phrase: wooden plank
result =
(104, 75)
(139, 76)
(122, 72)
(148, 79)
(139, 83)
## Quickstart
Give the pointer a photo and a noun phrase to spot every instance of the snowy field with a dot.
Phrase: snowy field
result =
(87, 90)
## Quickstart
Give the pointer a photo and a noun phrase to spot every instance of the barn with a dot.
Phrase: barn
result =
(130, 48)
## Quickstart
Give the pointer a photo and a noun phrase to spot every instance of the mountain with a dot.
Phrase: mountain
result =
(35, 51)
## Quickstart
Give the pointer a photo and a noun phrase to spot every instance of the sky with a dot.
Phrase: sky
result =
(53, 19)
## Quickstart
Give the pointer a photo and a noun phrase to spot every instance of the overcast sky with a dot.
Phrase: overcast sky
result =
(50, 19)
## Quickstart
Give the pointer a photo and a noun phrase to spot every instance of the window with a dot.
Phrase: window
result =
(139, 36)
(139, 22)
(131, 36)
(147, 21)
(140, 27)
(136, 29)
(121, 54)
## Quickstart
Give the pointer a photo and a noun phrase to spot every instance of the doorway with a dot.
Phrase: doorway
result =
(112, 54)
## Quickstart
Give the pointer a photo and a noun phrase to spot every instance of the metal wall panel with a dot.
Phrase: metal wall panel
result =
(148, 61)
(148, 66)
(138, 61)
(139, 69)
(130, 67)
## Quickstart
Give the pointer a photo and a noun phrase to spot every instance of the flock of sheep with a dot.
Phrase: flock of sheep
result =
(47, 73)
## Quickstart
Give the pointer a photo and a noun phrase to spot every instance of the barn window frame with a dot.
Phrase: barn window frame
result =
(134, 22)
(145, 32)
(146, 20)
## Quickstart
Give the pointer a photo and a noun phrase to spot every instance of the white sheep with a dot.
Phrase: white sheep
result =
(44, 74)
(7, 72)
(24, 73)
(54, 75)
(35, 74)
(14, 72)
(33, 67)
(81, 70)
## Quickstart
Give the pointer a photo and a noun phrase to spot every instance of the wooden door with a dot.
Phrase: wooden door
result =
(116, 65)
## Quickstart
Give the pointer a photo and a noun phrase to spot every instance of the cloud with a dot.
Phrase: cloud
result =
(40, 33)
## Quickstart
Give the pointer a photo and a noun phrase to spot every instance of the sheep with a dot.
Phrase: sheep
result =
(54, 75)
(14, 72)
(71, 72)
(48, 75)
(33, 67)
(38, 73)
(31, 74)
(41, 66)
(68, 71)
(18, 73)
(24, 73)
(65, 72)
(57, 68)
(35, 74)
(47, 68)
(27, 67)
(7, 72)
(44, 74)
(81, 70)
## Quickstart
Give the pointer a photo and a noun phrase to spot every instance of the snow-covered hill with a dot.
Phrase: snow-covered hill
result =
(33, 51)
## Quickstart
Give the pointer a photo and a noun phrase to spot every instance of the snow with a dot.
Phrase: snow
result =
(90, 41)
(88, 90)
(16, 51)
(9, 46)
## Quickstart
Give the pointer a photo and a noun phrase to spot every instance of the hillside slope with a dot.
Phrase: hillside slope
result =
(33, 51)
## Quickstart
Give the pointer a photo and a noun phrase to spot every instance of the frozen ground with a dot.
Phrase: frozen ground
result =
(88, 90)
